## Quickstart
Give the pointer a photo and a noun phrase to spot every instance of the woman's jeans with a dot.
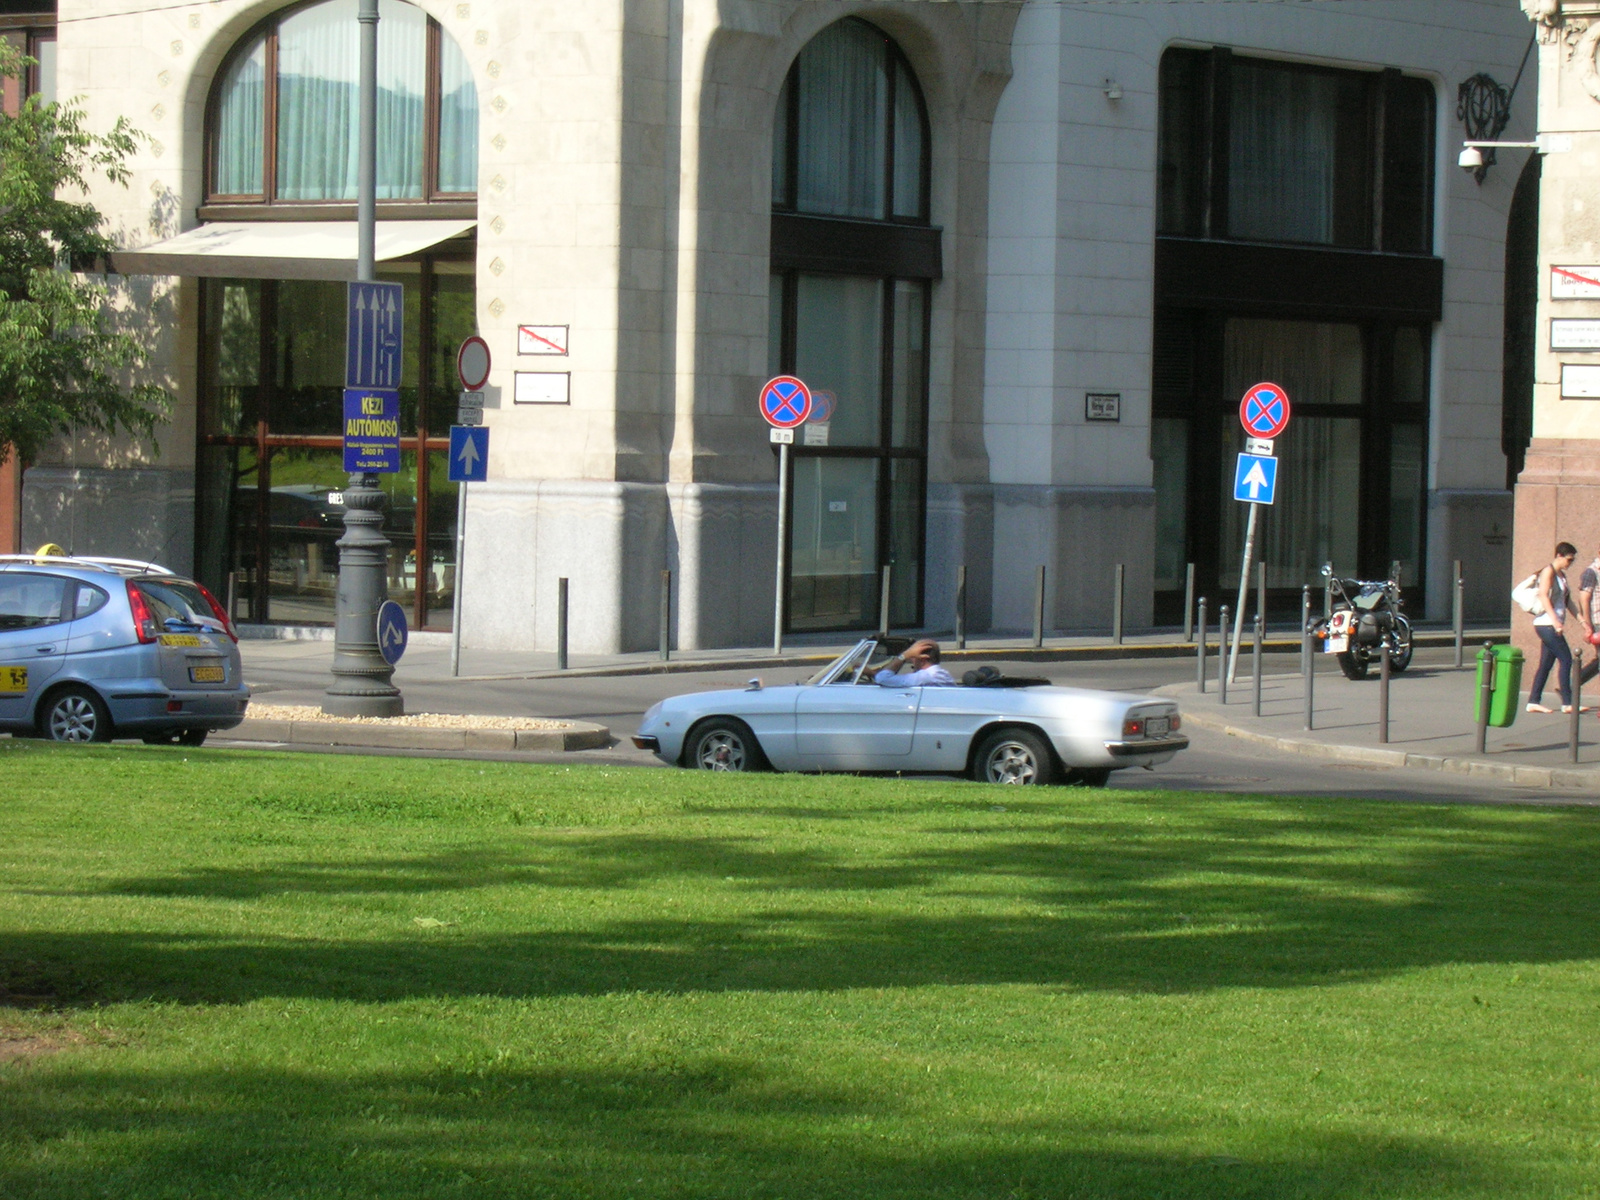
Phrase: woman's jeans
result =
(1553, 649)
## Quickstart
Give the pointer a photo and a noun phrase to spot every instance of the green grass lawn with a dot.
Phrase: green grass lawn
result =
(247, 974)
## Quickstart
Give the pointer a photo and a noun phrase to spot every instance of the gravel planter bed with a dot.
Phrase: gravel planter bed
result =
(308, 725)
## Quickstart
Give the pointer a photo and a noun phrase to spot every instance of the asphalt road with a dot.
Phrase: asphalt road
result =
(1213, 762)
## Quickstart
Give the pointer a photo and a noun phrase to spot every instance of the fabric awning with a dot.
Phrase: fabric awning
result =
(280, 249)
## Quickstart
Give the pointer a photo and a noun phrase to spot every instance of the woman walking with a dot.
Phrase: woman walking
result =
(1550, 624)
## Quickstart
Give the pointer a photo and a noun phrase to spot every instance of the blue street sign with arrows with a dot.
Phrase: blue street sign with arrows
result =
(1255, 480)
(393, 634)
(469, 453)
(374, 314)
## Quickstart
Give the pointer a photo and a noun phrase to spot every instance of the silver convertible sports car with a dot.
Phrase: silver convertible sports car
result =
(990, 728)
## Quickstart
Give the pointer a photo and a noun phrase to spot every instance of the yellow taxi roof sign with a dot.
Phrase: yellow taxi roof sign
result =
(48, 550)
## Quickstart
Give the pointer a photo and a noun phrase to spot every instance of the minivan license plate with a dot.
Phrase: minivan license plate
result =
(207, 675)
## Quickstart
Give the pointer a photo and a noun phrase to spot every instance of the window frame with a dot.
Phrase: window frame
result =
(267, 31)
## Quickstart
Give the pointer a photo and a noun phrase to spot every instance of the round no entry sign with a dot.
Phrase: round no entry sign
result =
(1264, 411)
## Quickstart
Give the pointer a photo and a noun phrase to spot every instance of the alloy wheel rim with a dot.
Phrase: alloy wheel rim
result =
(1012, 762)
(721, 752)
(73, 719)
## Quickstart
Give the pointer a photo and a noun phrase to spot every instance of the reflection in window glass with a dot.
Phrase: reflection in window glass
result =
(781, 196)
(238, 132)
(1410, 366)
(905, 539)
(1315, 363)
(838, 348)
(1406, 473)
(833, 580)
(774, 325)
(318, 79)
(910, 362)
(233, 337)
(843, 124)
(458, 121)
(909, 200)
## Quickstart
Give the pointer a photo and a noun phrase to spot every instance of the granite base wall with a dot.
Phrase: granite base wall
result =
(140, 513)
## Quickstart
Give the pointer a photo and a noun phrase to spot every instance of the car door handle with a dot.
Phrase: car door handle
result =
(44, 649)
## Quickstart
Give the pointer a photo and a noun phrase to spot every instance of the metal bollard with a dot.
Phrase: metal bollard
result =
(1305, 629)
(883, 598)
(1383, 693)
(233, 595)
(1222, 657)
(1255, 664)
(1458, 611)
(1038, 609)
(561, 624)
(1485, 694)
(1188, 602)
(1577, 701)
(1261, 592)
(1200, 650)
(666, 615)
(1311, 691)
(1116, 606)
(961, 607)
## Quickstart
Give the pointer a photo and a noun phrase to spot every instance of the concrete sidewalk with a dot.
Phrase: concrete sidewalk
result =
(1430, 723)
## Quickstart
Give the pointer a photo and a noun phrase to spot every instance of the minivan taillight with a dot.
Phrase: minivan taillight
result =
(217, 611)
(143, 623)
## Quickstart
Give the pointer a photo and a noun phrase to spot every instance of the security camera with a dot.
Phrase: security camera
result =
(1471, 158)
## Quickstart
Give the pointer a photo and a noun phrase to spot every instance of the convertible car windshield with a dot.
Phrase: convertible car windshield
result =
(848, 667)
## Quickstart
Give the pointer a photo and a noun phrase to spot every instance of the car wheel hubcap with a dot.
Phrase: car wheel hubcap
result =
(721, 752)
(73, 720)
(1012, 762)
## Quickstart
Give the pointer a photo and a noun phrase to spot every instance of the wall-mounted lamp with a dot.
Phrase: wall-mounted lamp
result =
(1111, 88)
(1472, 157)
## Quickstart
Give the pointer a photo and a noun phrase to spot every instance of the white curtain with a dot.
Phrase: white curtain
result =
(239, 152)
(458, 120)
(318, 80)
(844, 92)
(1281, 154)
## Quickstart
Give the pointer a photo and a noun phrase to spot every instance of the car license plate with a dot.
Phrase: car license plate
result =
(181, 639)
(1337, 645)
(1158, 726)
(207, 674)
(13, 680)
(335, 499)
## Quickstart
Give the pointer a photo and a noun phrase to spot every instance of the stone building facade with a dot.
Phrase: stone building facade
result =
(1032, 251)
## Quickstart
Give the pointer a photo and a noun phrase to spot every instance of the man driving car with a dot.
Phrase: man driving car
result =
(923, 659)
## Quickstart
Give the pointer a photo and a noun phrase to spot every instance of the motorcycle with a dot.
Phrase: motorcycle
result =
(1364, 615)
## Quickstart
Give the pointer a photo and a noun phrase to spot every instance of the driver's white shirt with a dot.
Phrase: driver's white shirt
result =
(934, 676)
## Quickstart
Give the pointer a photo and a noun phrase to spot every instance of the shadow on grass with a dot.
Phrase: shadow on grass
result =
(707, 1129)
(1261, 896)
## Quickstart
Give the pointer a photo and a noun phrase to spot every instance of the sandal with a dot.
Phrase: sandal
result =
(1539, 708)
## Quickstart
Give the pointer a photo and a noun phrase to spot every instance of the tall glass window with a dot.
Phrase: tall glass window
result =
(283, 122)
(850, 141)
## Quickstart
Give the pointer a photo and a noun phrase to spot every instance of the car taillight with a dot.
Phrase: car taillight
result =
(1176, 723)
(218, 611)
(1133, 727)
(143, 623)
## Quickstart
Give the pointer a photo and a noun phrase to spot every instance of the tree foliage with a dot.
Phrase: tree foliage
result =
(65, 363)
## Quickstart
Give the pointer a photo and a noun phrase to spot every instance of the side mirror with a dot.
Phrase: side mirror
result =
(754, 685)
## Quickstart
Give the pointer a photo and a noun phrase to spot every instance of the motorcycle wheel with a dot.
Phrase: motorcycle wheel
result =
(1400, 656)
(1353, 664)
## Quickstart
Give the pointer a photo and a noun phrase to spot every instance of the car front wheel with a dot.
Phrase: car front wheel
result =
(1017, 756)
(76, 715)
(724, 745)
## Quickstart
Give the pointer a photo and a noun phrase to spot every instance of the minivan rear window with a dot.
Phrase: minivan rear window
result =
(176, 599)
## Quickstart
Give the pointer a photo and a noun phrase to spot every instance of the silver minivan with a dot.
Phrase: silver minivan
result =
(96, 648)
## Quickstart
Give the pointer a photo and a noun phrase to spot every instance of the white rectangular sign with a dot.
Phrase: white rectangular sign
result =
(1574, 333)
(1580, 381)
(816, 433)
(1261, 446)
(469, 416)
(541, 339)
(471, 400)
(542, 387)
(781, 437)
(1575, 283)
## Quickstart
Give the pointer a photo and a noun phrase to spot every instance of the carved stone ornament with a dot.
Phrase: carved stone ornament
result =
(1544, 12)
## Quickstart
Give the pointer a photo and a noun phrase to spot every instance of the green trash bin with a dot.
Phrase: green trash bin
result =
(1506, 690)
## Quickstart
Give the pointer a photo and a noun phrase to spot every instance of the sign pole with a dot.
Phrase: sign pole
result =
(455, 598)
(1244, 591)
(783, 546)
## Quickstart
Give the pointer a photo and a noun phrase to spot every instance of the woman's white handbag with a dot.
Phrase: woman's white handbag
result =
(1526, 595)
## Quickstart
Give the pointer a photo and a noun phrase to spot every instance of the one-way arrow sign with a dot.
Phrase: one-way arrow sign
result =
(469, 453)
(1255, 480)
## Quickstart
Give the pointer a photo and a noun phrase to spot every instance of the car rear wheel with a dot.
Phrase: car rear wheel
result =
(75, 714)
(723, 744)
(1014, 756)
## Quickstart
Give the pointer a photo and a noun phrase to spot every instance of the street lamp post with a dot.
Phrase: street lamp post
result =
(362, 679)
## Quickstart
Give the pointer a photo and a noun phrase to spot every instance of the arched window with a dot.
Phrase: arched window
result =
(853, 260)
(283, 115)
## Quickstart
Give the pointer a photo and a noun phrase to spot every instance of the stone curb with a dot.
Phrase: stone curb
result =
(581, 736)
(1522, 775)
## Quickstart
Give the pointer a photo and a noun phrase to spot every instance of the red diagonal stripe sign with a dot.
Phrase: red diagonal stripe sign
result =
(1264, 411)
(785, 402)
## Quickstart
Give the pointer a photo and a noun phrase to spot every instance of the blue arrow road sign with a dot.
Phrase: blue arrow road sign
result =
(372, 430)
(392, 632)
(374, 313)
(469, 453)
(1255, 480)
